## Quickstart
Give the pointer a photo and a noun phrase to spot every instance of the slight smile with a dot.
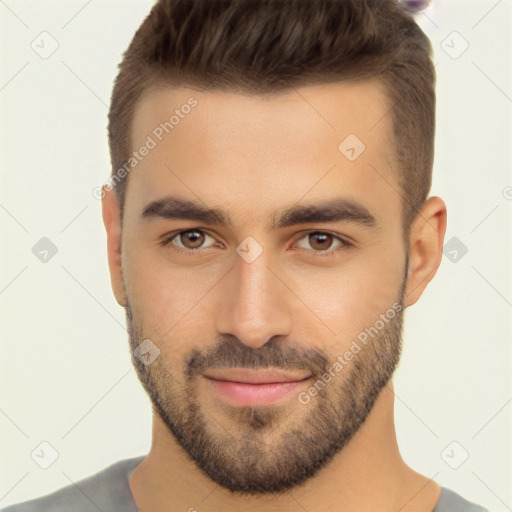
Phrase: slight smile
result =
(243, 386)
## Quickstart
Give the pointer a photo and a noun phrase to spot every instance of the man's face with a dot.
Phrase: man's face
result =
(258, 293)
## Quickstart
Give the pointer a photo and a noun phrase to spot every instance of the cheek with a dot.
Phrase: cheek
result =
(342, 302)
(166, 299)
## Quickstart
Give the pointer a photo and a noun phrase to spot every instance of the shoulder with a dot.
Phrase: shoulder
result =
(450, 501)
(106, 490)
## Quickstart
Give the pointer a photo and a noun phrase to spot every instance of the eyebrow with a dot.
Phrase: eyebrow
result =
(333, 210)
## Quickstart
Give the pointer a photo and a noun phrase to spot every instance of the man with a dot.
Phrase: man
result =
(268, 223)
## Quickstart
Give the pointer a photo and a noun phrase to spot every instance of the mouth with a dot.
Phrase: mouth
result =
(243, 386)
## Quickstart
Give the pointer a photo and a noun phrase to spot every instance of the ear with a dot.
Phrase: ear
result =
(111, 212)
(425, 247)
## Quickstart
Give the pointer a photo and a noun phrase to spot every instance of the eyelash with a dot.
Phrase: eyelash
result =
(167, 242)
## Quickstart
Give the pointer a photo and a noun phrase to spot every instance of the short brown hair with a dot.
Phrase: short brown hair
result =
(269, 46)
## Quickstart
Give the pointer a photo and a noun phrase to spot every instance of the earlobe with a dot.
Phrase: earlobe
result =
(425, 247)
(111, 213)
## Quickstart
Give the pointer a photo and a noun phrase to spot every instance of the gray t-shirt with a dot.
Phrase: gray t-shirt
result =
(109, 491)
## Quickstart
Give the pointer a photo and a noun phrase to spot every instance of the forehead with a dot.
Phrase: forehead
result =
(262, 152)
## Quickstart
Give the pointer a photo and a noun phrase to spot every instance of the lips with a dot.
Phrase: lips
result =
(248, 387)
(250, 376)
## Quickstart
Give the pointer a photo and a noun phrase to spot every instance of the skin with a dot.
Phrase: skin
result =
(251, 156)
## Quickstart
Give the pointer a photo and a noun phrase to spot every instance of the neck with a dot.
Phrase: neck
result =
(368, 474)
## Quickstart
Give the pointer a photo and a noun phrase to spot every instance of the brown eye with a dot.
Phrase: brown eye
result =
(191, 239)
(320, 241)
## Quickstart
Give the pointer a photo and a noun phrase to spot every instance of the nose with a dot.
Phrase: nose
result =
(253, 303)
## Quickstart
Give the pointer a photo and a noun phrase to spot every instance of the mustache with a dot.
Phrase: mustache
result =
(229, 352)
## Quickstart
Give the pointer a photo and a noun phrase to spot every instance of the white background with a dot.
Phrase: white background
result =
(66, 373)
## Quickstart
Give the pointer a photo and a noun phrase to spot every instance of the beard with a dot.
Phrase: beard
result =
(269, 449)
